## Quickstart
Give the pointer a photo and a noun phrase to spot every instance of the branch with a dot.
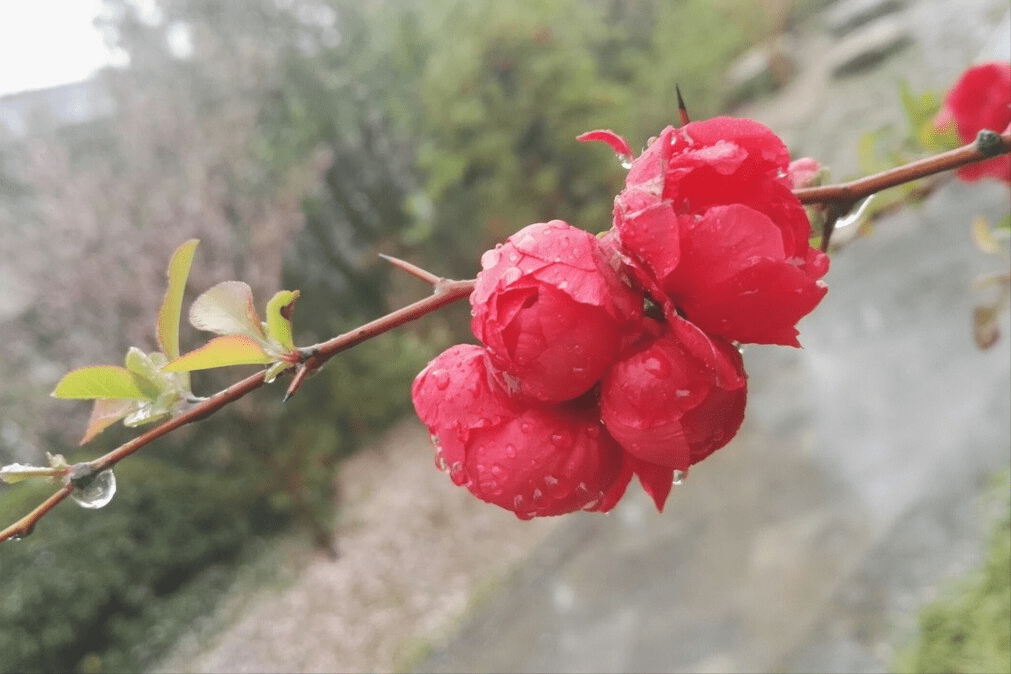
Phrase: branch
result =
(446, 292)
(838, 198)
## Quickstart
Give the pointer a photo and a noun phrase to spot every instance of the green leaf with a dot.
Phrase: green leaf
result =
(227, 309)
(221, 352)
(279, 318)
(171, 306)
(102, 381)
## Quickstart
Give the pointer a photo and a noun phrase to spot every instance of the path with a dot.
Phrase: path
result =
(805, 545)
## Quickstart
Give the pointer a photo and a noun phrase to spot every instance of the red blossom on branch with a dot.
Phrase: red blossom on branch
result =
(981, 99)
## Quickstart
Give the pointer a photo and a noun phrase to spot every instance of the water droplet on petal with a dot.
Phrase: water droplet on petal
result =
(526, 242)
(517, 502)
(538, 495)
(658, 366)
(456, 473)
(96, 493)
(510, 451)
(561, 439)
(683, 393)
(511, 275)
(526, 426)
(550, 480)
(441, 378)
(679, 476)
(490, 258)
(625, 161)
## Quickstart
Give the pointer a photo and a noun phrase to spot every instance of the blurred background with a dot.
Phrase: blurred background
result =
(298, 139)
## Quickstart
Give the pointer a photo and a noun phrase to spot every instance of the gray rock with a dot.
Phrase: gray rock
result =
(845, 17)
(870, 45)
(762, 70)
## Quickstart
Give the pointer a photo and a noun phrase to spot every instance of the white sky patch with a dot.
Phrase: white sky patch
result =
(49, 42)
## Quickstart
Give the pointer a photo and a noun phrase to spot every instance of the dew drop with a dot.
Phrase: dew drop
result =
(593, 430)
(561, 439)
(657, 366)
(625, 161)
(517, 502)
(683, 393)
(526, 242)
(441, 378)
(511, 275)
(456, 473)
(679, 477)
(550, 480)
(526, 426)
(497, 470)
(490, 258)
(96, 493)
(440, 462)
(538, 495)
(510, 451)
(514, 257)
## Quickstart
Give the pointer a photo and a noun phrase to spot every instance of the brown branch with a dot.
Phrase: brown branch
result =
(26, 524)
(852, 192)
(839, 198)
(446, 292)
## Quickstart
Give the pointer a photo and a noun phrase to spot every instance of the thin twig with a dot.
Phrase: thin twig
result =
(26, 524)
(852, 192)
(840, 197)
(446, 292)
(425, 275)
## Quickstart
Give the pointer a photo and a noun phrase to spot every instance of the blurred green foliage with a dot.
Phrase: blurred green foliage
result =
(969, 629)
(117, 587)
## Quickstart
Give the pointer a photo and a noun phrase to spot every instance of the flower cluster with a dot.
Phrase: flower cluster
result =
(981, 99)
(604, 358)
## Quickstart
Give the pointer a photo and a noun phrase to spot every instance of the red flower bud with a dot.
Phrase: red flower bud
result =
(527, 457)
(550, 311)
(708, 213)
(981, 99)
(455, 395)
(676, 399)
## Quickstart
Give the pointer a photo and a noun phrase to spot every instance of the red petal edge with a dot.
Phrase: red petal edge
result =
(617, 143)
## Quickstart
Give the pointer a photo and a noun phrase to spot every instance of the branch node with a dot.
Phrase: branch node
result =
(989, 143)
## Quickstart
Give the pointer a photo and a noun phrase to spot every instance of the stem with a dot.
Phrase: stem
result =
(851, 192)
(446, 292)
(26, 524)
(839, 198)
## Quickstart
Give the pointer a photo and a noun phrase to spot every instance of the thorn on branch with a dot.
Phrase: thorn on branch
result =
(304, 370)
(682, 109)
(414, 270)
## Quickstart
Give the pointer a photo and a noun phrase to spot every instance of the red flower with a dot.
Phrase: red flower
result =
(676, 399)
(530, 458)
(981, 99)
(551, 311)
(707, 213)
